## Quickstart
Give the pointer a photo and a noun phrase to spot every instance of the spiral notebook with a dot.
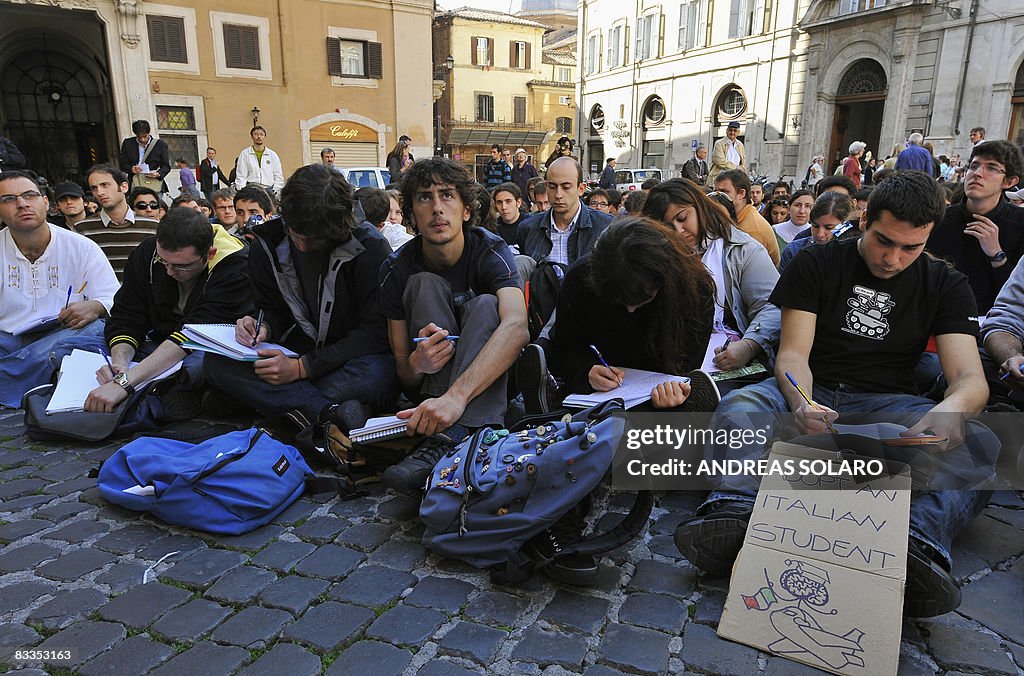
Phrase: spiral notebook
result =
(379, 429)
(635, 389)
(220, 339)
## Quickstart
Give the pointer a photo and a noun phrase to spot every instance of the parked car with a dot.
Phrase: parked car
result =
(631, 179)
(374, 177)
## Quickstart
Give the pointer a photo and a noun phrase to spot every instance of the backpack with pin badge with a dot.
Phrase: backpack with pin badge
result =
(498, 489)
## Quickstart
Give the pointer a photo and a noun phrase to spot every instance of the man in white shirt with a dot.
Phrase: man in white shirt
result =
(258, 164)
(56, 285)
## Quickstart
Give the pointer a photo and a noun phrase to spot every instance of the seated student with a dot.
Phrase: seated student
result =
(508, 200)
(188, 273)
(835, 183)
(253, 205)
(314, 276)
(736, 184)
(224, 209)
(645, 302)
(744, 275)
(614, 202)
(780, 189)
(830, 211)
(146, 202)
(1003, 333)
(188, 201)
(377, 208)
(867, 366)
(799, 213)
(598, 199)
(117, 229)
(983, 235)
(453, 279)
(48, 271)
(778, 211)
(633, 204)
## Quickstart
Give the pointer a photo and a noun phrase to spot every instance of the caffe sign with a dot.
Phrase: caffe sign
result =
(343, 132)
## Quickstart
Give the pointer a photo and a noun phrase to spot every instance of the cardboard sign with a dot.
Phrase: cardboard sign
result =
(821, 574)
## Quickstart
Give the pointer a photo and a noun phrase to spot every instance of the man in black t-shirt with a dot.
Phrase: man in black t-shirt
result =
(856, 315)
(452, 280)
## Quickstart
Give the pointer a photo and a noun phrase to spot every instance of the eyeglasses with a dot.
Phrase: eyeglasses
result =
(146, 206)
(975, 167)
(598, 204)
(175, 266)
(28, 196)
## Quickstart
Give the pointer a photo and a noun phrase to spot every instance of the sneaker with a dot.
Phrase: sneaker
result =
(713, 540)
(931, 590)
(579, 570)
(704, 394)
(410, 475)
(348, 415)
(538, 386)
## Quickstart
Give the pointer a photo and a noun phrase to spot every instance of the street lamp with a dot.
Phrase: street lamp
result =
(255, 115)
(442, 73)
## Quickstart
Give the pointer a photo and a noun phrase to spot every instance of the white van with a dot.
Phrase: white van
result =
(374, 177)
(631, 179)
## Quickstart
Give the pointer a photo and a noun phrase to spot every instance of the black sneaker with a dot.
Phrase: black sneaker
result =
(713, 540)
(704, 394)
(579, 570)
(535, 381)
(410, 475)
(931, 590)
(348, 415)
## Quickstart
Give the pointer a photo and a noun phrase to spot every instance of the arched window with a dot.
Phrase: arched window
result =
(1017, 112)
(730, 106)
(654, 113)
(596, 119)
(864, 77)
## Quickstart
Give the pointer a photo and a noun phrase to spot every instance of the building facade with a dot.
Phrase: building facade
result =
(802, 77)
(352, 75)
(502, 88)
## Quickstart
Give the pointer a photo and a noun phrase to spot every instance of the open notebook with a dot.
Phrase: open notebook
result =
(220, 339)
(77, 378)
(635, 389)
(36, 324)
(889, 434)
(379, 429)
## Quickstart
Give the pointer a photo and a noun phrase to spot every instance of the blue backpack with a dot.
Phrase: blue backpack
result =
(497, 489)
(229, 484)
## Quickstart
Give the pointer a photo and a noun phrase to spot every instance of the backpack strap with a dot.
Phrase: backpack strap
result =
(623, 532)
(343, 486)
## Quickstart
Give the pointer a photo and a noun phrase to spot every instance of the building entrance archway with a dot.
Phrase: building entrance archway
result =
(860, 105)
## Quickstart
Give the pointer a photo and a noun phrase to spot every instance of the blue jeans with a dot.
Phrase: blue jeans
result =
(936, 516)
(30, 360)
(370, 379)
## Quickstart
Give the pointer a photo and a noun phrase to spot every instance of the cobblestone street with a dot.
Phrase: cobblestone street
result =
(346, 587)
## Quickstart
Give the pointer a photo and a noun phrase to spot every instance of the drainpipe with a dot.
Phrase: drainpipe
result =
(967, 63)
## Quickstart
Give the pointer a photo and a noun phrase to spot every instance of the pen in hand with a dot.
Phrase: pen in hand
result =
(68, 301)
(420, 340)
(1007, 374)
(605, 364)
(803, 394)
(259, 323)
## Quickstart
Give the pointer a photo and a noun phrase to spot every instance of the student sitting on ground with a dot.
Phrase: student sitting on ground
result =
(799, 213)
(508, 201)
(736, 185)
(377, 207)
(453, 279)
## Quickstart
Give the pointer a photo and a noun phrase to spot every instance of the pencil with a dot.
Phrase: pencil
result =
(803, 394)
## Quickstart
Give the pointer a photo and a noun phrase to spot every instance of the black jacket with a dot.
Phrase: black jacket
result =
(159, 159)
(145, 307)
(534, 241)
(11, 156)
(350, 323)
(205, 177)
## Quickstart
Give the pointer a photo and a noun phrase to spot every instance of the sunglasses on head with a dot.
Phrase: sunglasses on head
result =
(779, 202)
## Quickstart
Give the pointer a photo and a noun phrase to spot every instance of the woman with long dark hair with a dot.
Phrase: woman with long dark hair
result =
(644, 301)
(745, 323)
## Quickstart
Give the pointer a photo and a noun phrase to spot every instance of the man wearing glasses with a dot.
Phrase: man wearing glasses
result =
(984, 234)
(188, 273)
(56, 285)
(147, 203)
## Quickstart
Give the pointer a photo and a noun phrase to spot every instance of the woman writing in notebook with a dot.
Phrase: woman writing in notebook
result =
(643, 301)
(746, 325)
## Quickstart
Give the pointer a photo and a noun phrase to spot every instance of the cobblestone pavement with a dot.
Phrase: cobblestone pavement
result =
(346, 587)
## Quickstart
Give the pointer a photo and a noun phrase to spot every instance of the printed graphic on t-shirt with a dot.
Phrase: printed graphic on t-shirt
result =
(867, 316)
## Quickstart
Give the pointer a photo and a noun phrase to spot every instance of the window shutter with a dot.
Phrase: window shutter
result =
(334, 56)
(625, 45)
(661, 36)
(735, 9)
(472, 50)
(490, 51)
(374, 61)
(528, 46)
(167, 39)
(242, 47)
(512, 54)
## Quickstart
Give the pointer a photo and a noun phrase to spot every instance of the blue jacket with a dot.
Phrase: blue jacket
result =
(915, 157)
(496, 173)
(533, 240)
(607, 177)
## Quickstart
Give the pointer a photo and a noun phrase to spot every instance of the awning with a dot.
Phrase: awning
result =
(484, 136)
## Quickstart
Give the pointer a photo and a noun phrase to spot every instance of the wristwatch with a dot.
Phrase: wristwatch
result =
(122, 380)
(998, 258)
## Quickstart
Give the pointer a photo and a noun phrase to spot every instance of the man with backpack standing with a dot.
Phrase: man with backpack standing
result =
(456, 317)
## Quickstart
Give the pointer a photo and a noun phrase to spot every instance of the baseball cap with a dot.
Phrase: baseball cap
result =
(734, 125)
(520, 150)
(68, 188)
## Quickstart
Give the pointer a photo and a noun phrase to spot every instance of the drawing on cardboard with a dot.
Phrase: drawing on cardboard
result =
(797, 623)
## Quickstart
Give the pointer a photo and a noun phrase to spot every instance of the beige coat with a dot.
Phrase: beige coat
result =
(720, 164)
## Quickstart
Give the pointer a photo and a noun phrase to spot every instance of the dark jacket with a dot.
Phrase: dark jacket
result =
(947, 240)
(205, 177)
(533, 239)
(10, 156)
(145, 307)
(607, 178)
(159, 159)
(692, 170)
(350, 324)
(496, 172)
(521, 177)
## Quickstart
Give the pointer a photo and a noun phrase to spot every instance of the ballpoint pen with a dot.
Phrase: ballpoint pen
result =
(803, 394)
(604, 363)
(259, 323)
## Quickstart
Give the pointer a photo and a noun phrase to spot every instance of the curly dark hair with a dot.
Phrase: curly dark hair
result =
(440, 171)
(637, 258)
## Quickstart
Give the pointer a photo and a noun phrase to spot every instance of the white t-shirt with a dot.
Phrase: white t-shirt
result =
(32, 291)
(788, 230)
